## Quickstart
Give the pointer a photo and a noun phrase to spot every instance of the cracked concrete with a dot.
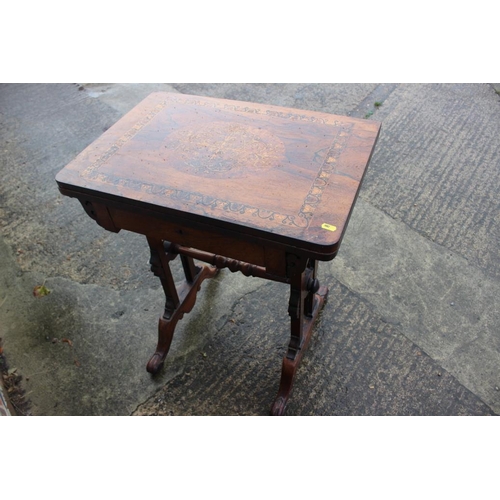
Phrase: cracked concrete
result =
(412, 323)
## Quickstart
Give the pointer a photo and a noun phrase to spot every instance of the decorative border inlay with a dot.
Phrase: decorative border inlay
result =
(228, 106)
(311, 201)
(122, 140)
(315, 193)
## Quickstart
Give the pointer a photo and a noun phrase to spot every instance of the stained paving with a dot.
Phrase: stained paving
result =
(412, 323)
(356, 364)
(441, 175)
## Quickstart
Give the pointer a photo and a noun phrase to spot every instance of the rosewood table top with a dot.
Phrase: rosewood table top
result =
(280, 174)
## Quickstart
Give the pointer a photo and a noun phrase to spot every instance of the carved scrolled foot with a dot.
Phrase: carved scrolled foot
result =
(288, 369)
(155, 364)
(279, 407)
(165, 336)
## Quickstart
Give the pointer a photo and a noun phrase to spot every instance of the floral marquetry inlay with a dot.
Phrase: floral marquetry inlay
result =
(164, 151)
(223, 149)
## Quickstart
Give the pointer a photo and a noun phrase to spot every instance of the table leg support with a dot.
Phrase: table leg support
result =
(179, 301)
(306, 300)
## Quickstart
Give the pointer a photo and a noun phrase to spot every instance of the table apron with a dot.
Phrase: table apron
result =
(266, 253)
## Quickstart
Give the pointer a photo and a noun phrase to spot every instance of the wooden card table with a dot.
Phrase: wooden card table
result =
(260, 189)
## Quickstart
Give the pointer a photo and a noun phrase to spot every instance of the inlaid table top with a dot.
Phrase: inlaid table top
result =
(276, 173)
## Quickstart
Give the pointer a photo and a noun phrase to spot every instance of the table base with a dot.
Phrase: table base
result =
(306, 300)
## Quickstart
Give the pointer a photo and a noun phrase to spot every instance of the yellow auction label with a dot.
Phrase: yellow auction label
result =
(328, 227)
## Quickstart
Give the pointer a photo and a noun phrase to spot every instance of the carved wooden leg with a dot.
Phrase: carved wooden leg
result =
(179, 301)
(306, 300)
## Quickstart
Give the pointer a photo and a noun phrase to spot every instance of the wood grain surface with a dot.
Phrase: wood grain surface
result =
(277, 173)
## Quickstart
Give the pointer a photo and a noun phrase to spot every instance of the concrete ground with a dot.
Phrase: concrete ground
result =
(412, 324)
